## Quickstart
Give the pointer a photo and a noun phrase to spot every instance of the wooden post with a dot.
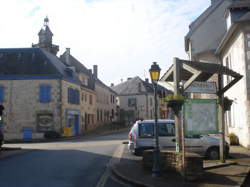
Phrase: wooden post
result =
(221, 120)
(177, 92)
(180, 137)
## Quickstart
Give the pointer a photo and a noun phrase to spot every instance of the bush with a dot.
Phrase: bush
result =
(51, 135)
(233, 138)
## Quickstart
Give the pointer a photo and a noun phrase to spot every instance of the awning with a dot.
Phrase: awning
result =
(199, 71)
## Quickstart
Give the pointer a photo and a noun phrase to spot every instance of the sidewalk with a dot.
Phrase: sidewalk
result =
(95, 132)
(232, 173)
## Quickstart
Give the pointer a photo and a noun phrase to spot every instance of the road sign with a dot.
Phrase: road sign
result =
(202, 87)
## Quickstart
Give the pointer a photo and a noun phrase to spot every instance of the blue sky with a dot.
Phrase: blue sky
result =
(122, 37)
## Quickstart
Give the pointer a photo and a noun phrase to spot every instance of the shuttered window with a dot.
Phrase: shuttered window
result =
(1, 94)
(45, 94)
(73, 96)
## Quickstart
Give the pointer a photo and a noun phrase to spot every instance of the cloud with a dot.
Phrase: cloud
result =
(123, 37)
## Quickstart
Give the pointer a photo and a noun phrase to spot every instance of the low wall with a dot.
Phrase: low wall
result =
(171, 160)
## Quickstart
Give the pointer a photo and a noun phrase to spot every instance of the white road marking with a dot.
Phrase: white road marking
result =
(115, 159)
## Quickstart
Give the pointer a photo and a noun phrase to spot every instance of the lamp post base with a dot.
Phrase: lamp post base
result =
(156, 163)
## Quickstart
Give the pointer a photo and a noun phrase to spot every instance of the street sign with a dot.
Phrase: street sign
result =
(202, 87)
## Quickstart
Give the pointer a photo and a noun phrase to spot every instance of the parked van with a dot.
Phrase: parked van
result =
(141, 137)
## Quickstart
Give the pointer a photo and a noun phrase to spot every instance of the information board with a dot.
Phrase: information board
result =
(200, 116)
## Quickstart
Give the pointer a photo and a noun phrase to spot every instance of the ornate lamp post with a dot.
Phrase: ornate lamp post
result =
(155, 75)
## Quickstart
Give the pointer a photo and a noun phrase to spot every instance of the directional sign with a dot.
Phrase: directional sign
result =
(202, 87)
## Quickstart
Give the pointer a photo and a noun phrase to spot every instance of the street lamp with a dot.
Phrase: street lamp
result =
(155, 75)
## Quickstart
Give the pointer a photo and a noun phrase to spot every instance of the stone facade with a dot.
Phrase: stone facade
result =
(23, 109)
(105, 104)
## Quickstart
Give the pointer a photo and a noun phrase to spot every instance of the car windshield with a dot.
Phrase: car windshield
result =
(147, 129)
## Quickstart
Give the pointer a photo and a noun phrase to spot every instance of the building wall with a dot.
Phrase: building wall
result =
(88, 109)
(235, 57)
(69, 110)
(22, 107)
(104, 106)
(144, 105)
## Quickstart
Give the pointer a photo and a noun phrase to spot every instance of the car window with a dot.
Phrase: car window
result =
(146, 130)
(170, 129)
(165, 129)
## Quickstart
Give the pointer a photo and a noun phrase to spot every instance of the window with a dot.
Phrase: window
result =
(83, 97)
(45, 94)
(151, 101)
(132, 102)
(146, 130)
(1, 94)
(90, 100)
(97, 115)
(228, 65)
(73, 96)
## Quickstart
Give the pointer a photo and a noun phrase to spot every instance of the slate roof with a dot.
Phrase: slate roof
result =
(78, 65)
(240, 4)
(32, 61)
(130, 87)
(199, 20)
(80, 68)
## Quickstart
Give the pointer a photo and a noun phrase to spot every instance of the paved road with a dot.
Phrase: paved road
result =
(74, 163)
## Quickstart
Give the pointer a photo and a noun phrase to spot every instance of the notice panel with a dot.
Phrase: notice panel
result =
(200, 116)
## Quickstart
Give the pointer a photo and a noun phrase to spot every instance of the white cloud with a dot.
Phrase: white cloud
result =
(123, 37)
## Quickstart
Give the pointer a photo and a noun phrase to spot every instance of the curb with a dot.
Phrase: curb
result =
(13, 153)
(126, 179)
(220, 165)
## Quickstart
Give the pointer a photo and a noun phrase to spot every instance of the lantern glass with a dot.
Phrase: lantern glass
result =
(155, 72)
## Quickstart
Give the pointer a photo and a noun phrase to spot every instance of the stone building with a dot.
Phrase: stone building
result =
(42, 93)
(136, 99)
(221, 35)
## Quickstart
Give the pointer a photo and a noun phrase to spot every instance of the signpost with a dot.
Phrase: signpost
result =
(202, 87)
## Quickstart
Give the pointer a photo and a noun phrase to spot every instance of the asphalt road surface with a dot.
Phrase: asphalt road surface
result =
(72, 163)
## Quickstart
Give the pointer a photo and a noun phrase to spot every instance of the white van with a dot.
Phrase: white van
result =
(141, 137)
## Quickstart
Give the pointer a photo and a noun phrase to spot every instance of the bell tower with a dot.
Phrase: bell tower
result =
(45, 38)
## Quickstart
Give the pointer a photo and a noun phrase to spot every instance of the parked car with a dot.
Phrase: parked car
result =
(142, 133)
(1, 137)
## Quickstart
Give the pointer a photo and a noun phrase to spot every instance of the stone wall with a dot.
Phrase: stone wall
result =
(22, 107)
(172, 161)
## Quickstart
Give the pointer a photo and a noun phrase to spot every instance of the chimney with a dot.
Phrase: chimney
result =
(112, 85)
(129, 78)
(95, 69)
(67, 56)
(146, 80)
(90, 71)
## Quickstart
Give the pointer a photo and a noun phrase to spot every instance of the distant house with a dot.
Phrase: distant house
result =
(42, 93)
(136, 99)
(222, 35)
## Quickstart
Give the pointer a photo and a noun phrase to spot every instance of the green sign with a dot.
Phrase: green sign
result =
(200, 116)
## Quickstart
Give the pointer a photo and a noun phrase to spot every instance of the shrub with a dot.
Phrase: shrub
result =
(233, 138)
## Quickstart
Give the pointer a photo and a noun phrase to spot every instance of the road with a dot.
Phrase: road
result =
(72, 163)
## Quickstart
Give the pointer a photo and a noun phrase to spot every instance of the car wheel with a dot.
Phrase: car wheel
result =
(213, 153)
(138, 152)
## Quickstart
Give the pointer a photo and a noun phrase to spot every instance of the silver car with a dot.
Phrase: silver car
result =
(142, 133)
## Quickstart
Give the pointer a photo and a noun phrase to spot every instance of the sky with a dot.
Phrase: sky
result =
(122, 37)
